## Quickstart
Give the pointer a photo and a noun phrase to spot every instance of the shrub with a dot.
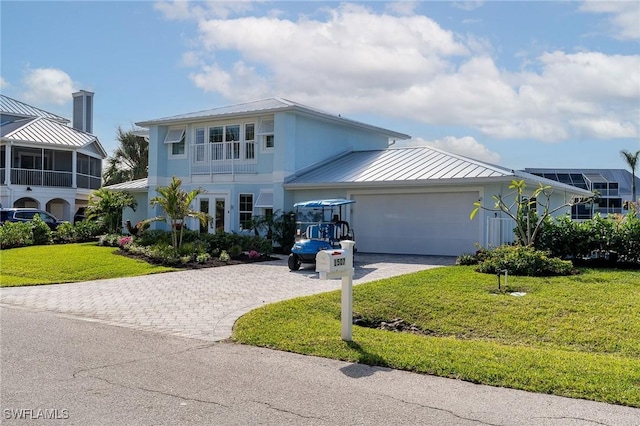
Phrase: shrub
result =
(65, 233)
(236, 250)
(224, 256)
(110, 240)
(15, 234)
(467, 259)
(203, 258)
(523, 260)
(155, 236)
(86, 230)
(41, 231)
(165, 254)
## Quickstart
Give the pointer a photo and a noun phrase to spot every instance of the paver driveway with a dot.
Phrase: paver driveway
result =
(202, 303)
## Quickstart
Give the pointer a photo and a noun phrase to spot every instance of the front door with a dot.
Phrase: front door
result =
(216, 208)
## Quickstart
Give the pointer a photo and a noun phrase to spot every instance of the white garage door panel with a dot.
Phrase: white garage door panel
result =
(436, 223)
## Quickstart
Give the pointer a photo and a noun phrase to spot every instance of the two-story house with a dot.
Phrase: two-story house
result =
(263, 156)
(613, 186)
(44, 162)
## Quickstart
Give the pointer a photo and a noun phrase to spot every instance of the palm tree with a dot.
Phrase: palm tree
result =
(176, 204)
(632, 161)
(107, 206)
(130, 160)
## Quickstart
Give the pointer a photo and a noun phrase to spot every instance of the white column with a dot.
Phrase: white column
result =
(74, 169)
(7, 164)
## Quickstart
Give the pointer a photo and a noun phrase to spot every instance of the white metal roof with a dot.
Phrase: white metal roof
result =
(50, 132)
(11, 106)
(419, 165)
(138, 184)
(265, 106)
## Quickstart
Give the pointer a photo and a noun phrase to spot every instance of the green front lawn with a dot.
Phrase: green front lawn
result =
(63, 263)
(576, 336)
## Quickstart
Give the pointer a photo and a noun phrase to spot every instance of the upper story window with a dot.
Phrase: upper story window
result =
(266, 134)
(176, 137)
(199, 141)
(249, 141)
(232, 142)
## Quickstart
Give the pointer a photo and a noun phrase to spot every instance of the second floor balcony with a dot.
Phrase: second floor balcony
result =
(223, 158)
(49, 168)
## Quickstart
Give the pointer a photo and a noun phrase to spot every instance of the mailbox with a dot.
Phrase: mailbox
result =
(332, 261)
(339, 264)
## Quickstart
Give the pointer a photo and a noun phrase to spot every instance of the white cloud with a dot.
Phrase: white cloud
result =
(4, 83)
(186, 10)
(403, 7)
(624, 20)
(48, 86)
(466, 146)
(467, 5)
(358, 61)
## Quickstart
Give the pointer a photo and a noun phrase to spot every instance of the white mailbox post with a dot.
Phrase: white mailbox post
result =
(332, 264)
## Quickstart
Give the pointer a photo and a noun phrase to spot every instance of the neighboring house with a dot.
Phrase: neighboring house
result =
(613, 187)
(262, 157)
(44, 162)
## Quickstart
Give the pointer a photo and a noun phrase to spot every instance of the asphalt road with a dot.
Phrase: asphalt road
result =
(88, 373)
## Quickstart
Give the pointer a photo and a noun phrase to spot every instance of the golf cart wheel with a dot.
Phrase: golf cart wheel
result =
(294, 262)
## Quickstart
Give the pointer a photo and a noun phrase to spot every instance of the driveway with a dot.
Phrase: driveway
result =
(204, 303)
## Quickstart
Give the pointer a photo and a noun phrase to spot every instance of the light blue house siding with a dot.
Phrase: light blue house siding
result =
(228, 172)
(266, 155)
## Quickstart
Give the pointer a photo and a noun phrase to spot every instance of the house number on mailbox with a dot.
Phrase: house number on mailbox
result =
(339, 261)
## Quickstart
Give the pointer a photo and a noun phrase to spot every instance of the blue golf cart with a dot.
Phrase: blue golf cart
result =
(319, 226)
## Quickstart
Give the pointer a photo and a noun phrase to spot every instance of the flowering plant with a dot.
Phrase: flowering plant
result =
(124, 241)
(254, 254)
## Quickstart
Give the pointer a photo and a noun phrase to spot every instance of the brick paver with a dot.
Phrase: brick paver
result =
(204, 303)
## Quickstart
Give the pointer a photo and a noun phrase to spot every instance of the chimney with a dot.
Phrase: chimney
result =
(83, 111)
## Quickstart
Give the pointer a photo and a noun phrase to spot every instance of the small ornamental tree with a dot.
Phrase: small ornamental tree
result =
(106, 205)
(176, 204)
(524, 210)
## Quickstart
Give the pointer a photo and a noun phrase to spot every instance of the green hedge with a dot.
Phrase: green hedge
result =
(618, 235)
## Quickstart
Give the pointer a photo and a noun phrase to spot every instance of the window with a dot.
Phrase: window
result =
(246, 210)
(176, 138)
(232, 139)
(249, 141)
(199, 143)
(178, 147)
(215, 137)
(265, 131)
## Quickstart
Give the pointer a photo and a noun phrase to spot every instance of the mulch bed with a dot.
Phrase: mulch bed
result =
(211, 263)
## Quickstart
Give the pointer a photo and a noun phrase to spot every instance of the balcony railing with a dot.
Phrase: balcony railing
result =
(51, 178)
(223, 158)
(88, 181)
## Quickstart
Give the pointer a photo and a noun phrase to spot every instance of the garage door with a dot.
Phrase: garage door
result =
(432, 224)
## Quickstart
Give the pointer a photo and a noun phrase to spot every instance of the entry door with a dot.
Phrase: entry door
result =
(216, 208)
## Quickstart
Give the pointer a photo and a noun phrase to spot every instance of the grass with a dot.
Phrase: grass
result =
(63, 263)
(576, 336)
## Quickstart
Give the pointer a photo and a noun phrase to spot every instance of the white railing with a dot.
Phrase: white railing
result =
(500, 231)
(41, 178)
(223, 158)
(60, 179)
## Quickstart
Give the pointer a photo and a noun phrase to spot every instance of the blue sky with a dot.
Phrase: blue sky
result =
(520, 84)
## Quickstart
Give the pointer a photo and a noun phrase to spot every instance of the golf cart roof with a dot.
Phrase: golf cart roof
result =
(324, 203)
